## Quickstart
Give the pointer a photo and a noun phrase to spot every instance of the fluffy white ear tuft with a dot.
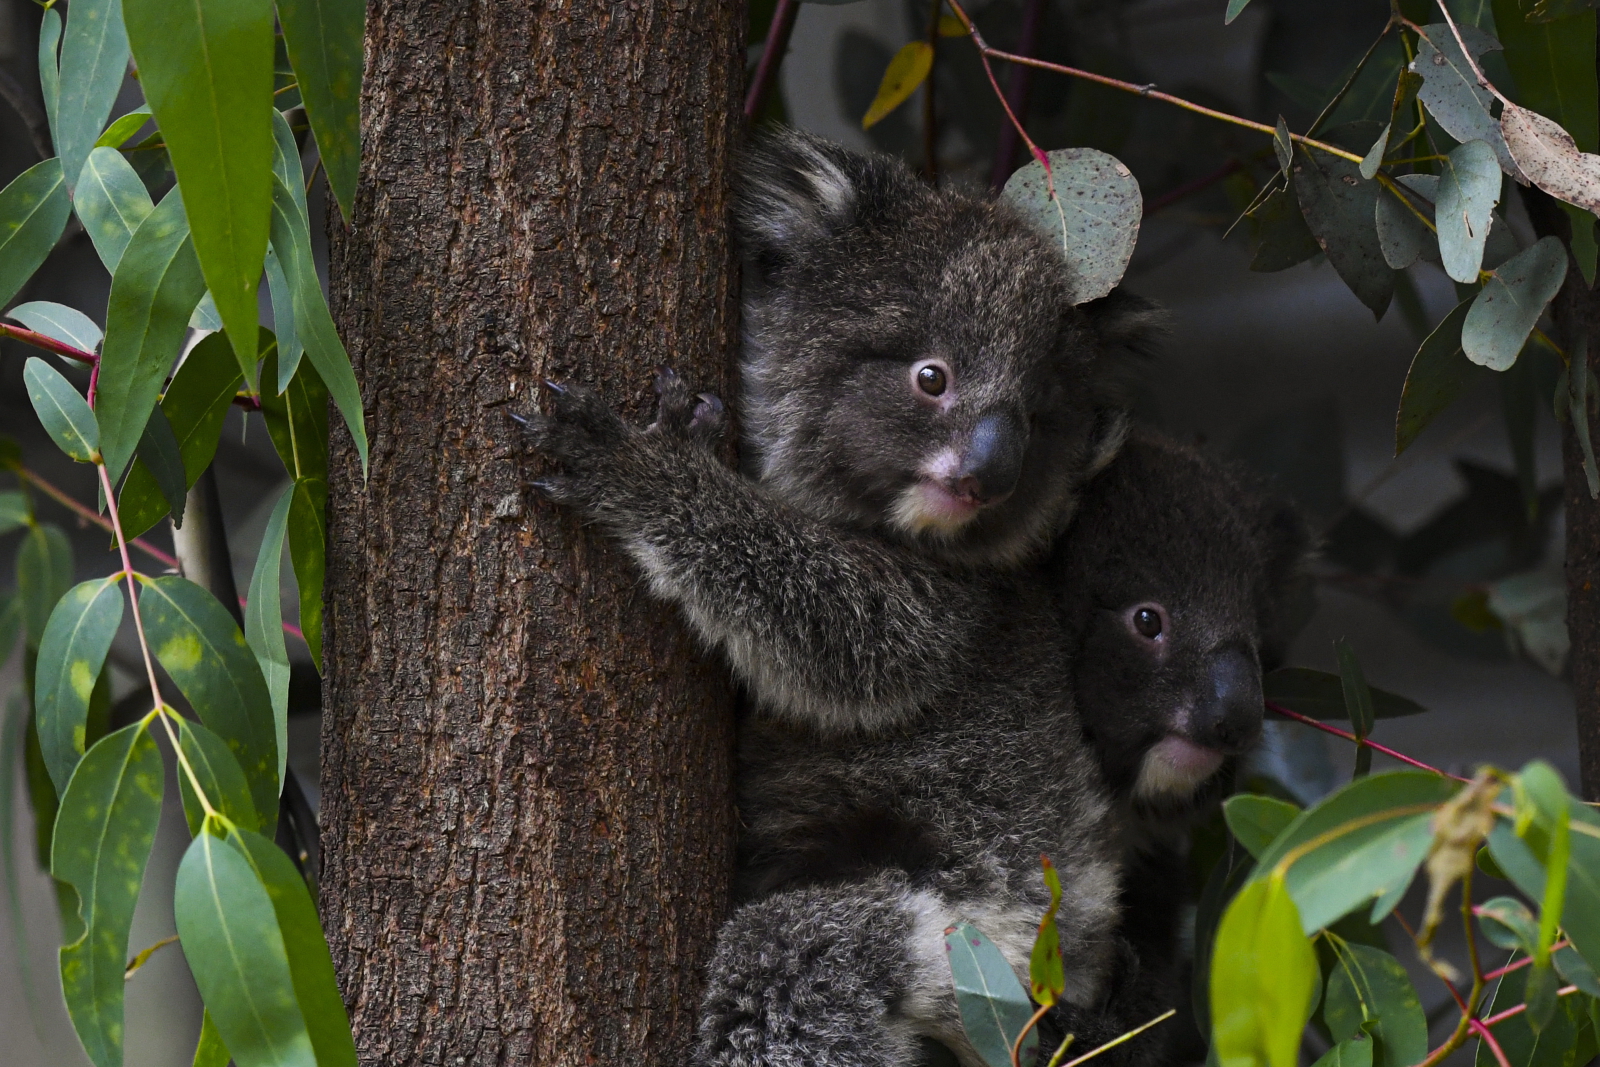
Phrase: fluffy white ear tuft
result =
(796, 188)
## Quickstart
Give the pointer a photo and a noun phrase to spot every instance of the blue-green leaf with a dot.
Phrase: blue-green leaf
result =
(1356, 1052)
(1369, 991)
(65, 415)
(67, 325)
(33, 212)
(289, 347)
(71, 655)
(111, 202)
(94, 58)
(291, 238)
(1450, 90)
(994, 1007)
(198, 643)
(1506, 311)
(50, 64)
(1508, 923)
(156, 285)
(123, 127)
(1341, 210)
(1469, 188)
(14, 514)
(230, 936)
(160, 455)
(1263, 973)
(1255, 820)
(324, 39)
(1094, 216)
(44, 574)
(1234, 7)
(1440, 372)
(220, 778)
(308, 529)
(103, 835)
(206, 70)
(311, 966)
(263, 621)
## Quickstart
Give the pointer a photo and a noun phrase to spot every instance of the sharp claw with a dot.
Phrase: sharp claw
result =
(555, 386)
(547, 488)
(518, 419)
(665, 377)
(712, 401)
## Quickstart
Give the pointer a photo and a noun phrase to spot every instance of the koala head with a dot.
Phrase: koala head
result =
(1177, 579)
(912, 362)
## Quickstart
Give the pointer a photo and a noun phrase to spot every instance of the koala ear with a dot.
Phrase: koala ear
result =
(795, 189)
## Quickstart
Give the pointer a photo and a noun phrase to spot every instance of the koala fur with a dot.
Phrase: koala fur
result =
(924, 404)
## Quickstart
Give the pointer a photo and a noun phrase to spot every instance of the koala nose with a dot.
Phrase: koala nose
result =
(993, 460)
(1227, 716)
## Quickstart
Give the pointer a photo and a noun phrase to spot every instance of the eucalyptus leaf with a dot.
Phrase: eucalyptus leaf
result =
(1279, 233)
(324, 38)
(1402, 233)
(1510, 304)
(220, 777)
(196, 640)
(1321, 695)
(94, 60)
(230, 936)
(210, 1050)
(1255, 820)
(1575, 970)
(63, 413)
(1263, 974)
(111, 202)
(156, 285)
(1094, 215)
(308, 526)
(994, 1007)
(159, 453)
(206, 70)
(1469, 188)
(1355, 1052)
(1440, 372)
(1450, 90)
(33, 212)
(1508, 923)
(906, 71)
(103, 836)
(1234, 8)
(67, 325)
(1369, 991)
(50, 64)
(44, 574)
(1340, 208)
(14, 514)
(123, 127)
(1551, 158)
(263, 621)
(72, 654)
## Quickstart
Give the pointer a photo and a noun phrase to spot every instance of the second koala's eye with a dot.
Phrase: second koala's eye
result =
(1147, 621)
(932, 379)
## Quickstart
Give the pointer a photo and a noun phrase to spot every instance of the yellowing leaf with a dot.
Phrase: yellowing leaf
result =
(907, 70)
(950, 26)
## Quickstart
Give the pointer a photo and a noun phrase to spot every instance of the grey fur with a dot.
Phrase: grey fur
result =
(916, 746)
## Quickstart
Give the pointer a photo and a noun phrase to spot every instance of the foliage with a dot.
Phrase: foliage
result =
(187, 221)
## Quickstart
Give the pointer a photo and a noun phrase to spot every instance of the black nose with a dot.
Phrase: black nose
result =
(1228, 714)
(993, 460)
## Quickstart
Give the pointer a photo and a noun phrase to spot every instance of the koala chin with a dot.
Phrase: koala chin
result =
(923, 405)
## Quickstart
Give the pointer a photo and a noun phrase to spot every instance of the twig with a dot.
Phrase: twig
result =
(90, 515)
(771, 57)
(1495, 1020)
(1477, 71)
(1339, 96)
(1130, 1035)
(48, 343)
(1016, 1046)
(1519, 964)
(1387, 751)
(1005, 151)
(1482, 1030)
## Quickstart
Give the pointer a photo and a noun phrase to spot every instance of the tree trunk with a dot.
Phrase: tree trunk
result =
(1578, 319)
(527, 815)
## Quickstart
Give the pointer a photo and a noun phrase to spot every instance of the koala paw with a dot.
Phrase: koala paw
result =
(701, 417)
(584, 436)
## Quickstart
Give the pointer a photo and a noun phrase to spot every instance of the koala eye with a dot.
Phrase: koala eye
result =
(1148, 621)
(931, 376)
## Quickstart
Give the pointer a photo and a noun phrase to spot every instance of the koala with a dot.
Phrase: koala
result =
(922, 407)
(1177, 580)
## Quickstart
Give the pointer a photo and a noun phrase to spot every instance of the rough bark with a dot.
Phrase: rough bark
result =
(526, 763)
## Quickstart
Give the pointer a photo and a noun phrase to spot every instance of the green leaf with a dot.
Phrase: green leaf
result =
(1321, 695)
(1508, 923)
(1357, 695)
(1255, 820)
(220, 778)
(297, 421)
(1576, 970)
(307, 551)
(263, 622)
(210, 1051)
(1369, 990)
(205, 317)
(1045, 976)
(33, 212)
(14, 514)
(1440, 372)
(1584, 248)
(94, 59)
(1340, 209)
(1469, 189)
(1279, 233)
(123, 127)
(1554, 68)
(44, 574)
(1450, 90)
(65, 324)
(50, 65)
(71, 655)
(286, 163)
(1372, 833)
(195, 404)
(111, 202)
(1402, 234)
(1283, 147)
(325, 46)
(1554, 1046)
(1507, 309)
(1095, 215)
(65, 415)
(291, 239)
(230, 936)
(289, 347)
(158, 451)
(1234, 7)
(206, 70)
(198, 643)
(156, 285)
(103, 835)
(1373, 160)
(311, 966)
(1356, 1052)
(1263, 973)
(994, 1007)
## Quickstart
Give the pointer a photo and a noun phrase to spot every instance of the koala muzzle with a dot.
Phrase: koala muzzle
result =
(993, 459)
(1227, 717)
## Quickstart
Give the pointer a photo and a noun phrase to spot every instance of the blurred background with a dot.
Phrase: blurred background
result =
(1442, 569)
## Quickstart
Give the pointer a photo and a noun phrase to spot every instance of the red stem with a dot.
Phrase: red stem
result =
(48, 343)
(771, 57)
(1517, 966)
(1478, 1027)
(1005, 152)
(1495, 1020)
(1387, 751)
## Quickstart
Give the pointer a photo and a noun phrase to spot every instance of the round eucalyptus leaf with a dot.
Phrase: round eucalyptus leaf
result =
(1095, 214)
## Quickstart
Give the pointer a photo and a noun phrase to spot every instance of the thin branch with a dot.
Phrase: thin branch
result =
(1387, 751)
(771, 57)
(1495, 1020)
(1129, 1036)
(89, 515)
(1339, 96)
(1016, 1046)
(1478, 1027)
(1477, 71)
(48, 343)
(1519, 964)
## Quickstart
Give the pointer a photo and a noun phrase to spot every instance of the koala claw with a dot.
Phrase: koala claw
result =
(554, 386)
(710, 417)
(666, 378)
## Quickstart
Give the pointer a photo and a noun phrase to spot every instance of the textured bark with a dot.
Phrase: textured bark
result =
(526, 764)
(1578, 317)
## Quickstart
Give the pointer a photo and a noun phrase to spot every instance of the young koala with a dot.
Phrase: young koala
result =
(923, 406)
(1176, 580)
